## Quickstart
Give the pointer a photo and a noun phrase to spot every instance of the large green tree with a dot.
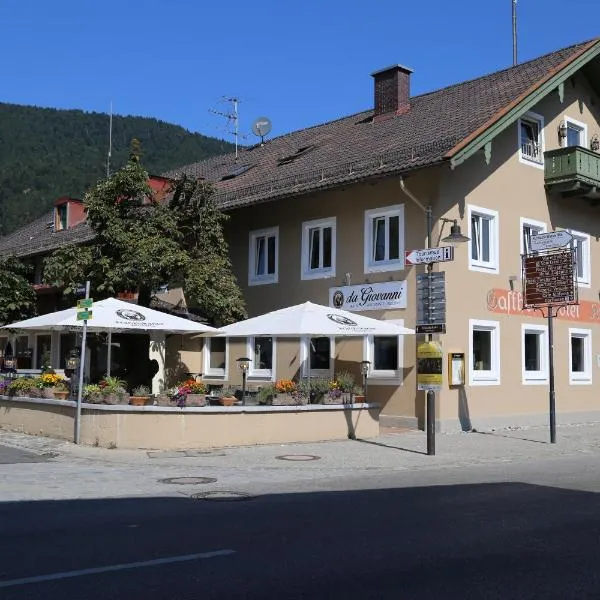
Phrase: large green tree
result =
(17, 297)
(141, 243)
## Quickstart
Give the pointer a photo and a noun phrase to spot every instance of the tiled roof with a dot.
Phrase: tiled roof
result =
(356, 147)
(39, 237)
(346, 150)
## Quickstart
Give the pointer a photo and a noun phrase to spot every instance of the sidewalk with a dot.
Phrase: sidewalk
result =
(87, 472)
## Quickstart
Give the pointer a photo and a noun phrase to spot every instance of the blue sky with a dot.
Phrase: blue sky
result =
(300, 63)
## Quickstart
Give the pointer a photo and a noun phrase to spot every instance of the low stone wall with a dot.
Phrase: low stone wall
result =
(169, 428)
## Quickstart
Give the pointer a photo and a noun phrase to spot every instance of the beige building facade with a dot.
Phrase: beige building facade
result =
(287, 251)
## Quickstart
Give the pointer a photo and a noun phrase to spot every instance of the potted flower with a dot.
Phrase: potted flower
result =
(226, 396)
(21, 387)
(140, 395)
(4, 383)
(358, 394)
(92, 393)
(113, 390)
(61, 390)
(341, 389)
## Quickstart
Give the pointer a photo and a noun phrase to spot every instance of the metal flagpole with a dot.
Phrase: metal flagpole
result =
(514, 31)
(81, 370)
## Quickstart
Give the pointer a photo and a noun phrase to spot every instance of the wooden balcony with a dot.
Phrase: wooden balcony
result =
(573, 171)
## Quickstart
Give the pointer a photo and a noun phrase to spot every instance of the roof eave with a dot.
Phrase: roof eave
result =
(509, 114)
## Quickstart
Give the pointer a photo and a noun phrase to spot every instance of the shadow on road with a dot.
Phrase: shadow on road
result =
(509, 437)
(390, 446)
(498, 541)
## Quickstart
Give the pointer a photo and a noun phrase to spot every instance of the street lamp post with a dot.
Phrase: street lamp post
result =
(364, 369)
(243, 364)
(455, 236)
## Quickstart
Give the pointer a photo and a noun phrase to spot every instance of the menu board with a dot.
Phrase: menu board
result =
(549, 279)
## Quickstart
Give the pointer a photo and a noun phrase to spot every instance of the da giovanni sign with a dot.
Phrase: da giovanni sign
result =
(369, 296)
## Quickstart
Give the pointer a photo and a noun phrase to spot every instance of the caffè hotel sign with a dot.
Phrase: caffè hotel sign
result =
(369, 296)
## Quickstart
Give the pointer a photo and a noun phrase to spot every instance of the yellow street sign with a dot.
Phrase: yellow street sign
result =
(429, 366)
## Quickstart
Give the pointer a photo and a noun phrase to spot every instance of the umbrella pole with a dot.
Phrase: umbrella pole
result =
(81, 370)
(109, 353)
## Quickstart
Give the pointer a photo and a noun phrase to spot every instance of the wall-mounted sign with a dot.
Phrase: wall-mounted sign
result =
(456, 368)
(549, 279)
(429, 366)
(369, 296)
(550, 240)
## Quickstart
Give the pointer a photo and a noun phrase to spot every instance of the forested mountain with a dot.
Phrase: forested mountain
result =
(46, 153)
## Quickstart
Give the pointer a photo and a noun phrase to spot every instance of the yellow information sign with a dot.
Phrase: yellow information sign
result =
(429, 366)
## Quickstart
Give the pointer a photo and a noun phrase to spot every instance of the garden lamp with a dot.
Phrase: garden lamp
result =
(244, 365)
(365, 365)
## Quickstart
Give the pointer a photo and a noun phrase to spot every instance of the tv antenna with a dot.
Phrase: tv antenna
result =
(232, 117)
(261, 127)
(514, 31)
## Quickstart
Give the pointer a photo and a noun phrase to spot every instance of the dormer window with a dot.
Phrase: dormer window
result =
(61, 217)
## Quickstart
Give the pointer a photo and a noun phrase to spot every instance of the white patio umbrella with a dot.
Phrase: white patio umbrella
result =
(313, 320)
(112, 315)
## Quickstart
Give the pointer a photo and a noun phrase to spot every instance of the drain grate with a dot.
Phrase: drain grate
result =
(222, 496)
(188, 480)
(298, 457)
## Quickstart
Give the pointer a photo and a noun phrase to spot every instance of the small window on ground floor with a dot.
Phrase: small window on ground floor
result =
(261, 351)
(535, 354)
(317, 354)
(484, 347)
(580, 356)
(386, 355)
(215, 357)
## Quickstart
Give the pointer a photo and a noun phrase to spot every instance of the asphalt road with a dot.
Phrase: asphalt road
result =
(508, 540)
(9, 456)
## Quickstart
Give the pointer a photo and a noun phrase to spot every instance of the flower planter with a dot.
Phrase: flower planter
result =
(289, 400)
(359, 399)
(227, 400)
(61, 395)
(196, 400)
(139, 400)
(115, 399)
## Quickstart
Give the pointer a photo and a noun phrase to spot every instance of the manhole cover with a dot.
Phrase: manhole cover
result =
(222, 496)
(298, 457)
(188, 480)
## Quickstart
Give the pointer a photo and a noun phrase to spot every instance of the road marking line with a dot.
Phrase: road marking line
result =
(111, 568)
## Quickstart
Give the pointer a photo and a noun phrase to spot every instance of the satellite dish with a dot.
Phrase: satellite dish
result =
(261, 127)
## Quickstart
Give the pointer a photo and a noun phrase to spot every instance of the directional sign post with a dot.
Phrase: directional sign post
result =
(549, 278)
(431, 302)
(550, 241)
(427, 256)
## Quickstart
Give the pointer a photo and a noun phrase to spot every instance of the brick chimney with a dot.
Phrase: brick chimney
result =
(392, 91)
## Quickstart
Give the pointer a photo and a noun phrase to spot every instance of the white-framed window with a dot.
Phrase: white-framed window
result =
(576, 133)
(580, 356)
(534, 354)
(484, 352)
(386, 355)
(484, 234)
(263, 265)
(43, 346)
(216, 358)
(581, 243)
(316, 356)
(528, 228)
(261, 351)
(384, 239)
(318, 248)
(531, 139)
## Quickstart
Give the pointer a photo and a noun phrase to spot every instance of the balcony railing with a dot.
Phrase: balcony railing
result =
(572, 171)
